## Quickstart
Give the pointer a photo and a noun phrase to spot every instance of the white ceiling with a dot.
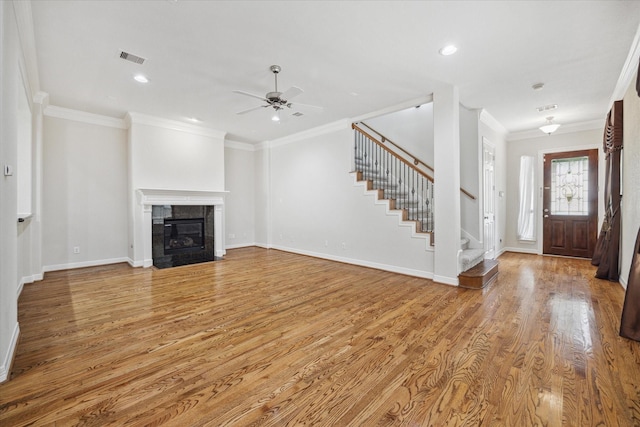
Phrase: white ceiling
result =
(351, 57)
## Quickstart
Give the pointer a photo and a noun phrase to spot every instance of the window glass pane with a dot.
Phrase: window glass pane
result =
(570, 186)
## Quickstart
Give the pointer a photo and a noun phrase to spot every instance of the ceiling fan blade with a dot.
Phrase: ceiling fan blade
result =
(252, 109)
(291, 92)
(241, 92)
(305, 107)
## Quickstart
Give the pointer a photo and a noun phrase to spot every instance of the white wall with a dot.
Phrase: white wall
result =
(317, 209)
(10, 82)
(535, 147)
(240, 204)
(469, 170)
(411, 128)
(262, 188)
(85, 194)
(630, 179)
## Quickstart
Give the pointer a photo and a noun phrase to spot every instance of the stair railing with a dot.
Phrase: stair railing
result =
(410, 188)
(416, 160)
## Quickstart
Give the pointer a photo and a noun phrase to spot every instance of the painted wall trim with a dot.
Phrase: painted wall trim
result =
(84, 117)
(28, 279)
(241, 245)
(72, 265)
(533, 251)
(361, 263)
(489, 120)
(239, 145)
(145, 119)
(451, 281)
(628, 70)
(311, 133)
(568, 128)
(7, 360)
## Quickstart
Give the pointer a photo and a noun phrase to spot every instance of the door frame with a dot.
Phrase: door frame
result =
(539, 179)
(488, 146)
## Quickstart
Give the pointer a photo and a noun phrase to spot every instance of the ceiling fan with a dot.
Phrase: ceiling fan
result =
(279, 100)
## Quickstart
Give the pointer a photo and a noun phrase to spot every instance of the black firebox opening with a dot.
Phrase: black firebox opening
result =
(183, 235)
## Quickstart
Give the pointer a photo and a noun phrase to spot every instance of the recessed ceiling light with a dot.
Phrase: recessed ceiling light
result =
(140, 78)
(537, 86)
(448, 50)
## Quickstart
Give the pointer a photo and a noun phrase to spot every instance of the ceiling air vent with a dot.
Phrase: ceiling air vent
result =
(131, 57)
(297, 114)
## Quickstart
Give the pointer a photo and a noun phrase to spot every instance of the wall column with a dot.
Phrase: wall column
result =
(446, 132)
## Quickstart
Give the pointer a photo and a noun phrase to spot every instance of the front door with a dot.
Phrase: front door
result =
(570, 203)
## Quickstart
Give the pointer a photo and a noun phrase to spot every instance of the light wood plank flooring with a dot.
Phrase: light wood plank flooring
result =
(272, 338)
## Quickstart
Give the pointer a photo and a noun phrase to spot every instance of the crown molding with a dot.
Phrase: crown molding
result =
(24, 23)
(629, 70)
(239, 145)
(41, 98)
(144, 119)
(568, 128)
(311, 133)
(395, 108)
(84, 117)
(489, 120)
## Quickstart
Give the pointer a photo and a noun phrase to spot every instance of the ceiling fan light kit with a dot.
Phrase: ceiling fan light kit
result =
(278, 100)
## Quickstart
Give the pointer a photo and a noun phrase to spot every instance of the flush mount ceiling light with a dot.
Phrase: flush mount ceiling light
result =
(140, 78)
(448, 50)
(549, 127)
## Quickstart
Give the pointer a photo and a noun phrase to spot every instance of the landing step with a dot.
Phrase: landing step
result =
(480, 275)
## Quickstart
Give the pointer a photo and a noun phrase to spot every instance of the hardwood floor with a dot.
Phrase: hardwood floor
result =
(272, 338)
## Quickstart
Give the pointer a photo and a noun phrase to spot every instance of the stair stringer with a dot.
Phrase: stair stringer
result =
(427, 237)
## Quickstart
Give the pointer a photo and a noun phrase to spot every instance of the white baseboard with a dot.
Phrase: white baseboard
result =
(623, 283)
(28, 279)
(520, 250)
(452, 281)
(5, 368)
(240, 245)
(361, 263)
(83, 264)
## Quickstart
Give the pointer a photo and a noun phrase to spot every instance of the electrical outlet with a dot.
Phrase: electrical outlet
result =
(76, 249)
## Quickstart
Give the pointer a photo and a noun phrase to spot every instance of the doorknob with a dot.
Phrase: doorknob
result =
(546, 216)
(546, 210)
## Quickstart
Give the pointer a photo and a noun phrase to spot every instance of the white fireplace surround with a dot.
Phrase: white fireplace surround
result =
(147, 198)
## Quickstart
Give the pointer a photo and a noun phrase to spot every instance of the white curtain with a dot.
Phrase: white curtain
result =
(526, 212)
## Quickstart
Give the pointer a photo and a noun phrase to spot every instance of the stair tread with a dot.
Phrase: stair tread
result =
(480, 275)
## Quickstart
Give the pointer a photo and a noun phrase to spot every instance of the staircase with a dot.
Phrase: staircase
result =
(405, 183)
(477, 272)
(405, 187)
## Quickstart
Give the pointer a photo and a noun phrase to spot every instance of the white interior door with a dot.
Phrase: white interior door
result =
(489, 200)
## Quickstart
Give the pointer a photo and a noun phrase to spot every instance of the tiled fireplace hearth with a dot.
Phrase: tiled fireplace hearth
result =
(194, 224)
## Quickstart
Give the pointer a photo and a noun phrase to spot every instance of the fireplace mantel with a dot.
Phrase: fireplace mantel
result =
(146, 198)
(149, 197)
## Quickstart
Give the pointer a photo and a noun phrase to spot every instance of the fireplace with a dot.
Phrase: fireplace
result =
(157, 206)
(183, 235)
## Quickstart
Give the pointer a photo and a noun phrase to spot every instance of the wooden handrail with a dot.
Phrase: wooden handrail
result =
(415, 159)
(359, 129)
